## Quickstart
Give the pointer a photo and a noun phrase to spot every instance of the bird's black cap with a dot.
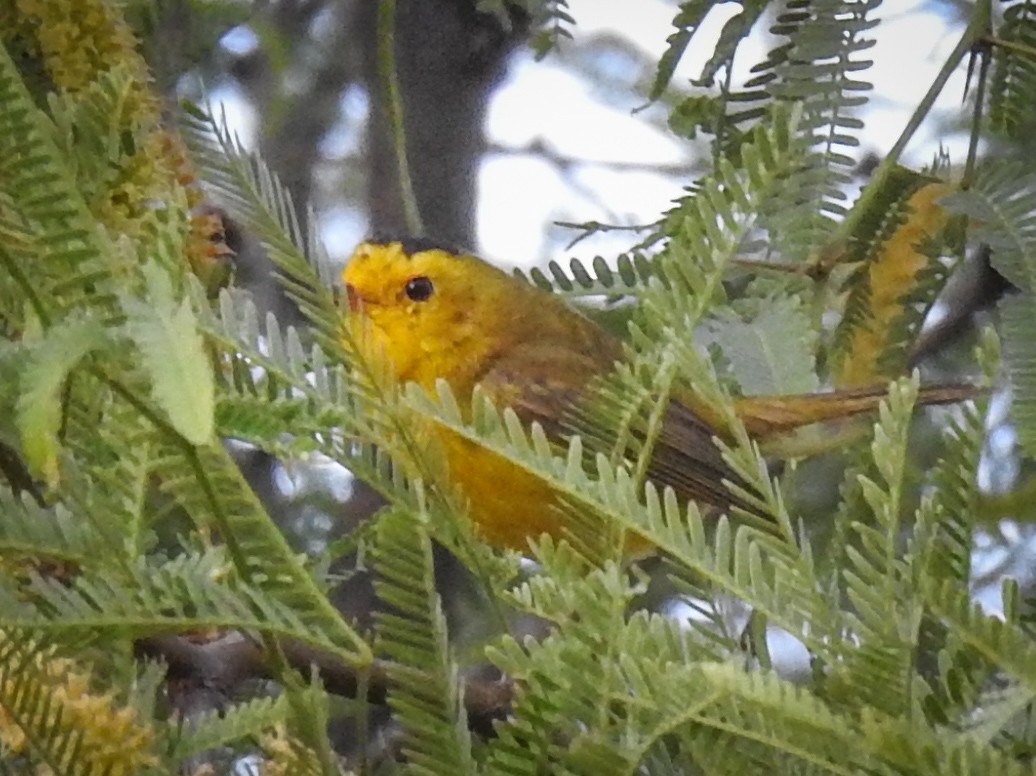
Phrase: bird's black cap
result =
(412, 245)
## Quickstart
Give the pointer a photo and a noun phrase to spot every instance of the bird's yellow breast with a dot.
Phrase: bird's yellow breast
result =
(507, 504)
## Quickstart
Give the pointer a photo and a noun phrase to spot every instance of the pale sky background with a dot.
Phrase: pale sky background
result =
(541, 102)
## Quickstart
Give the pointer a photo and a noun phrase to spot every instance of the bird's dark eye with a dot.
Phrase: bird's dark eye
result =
(419, 288)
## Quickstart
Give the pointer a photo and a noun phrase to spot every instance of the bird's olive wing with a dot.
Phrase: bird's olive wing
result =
(686, 459)
(546, 385)
(541, 383)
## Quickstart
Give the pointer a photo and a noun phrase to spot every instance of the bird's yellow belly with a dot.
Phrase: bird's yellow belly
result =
(508, 505)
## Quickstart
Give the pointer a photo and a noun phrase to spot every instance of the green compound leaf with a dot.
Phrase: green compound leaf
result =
(165, 332)
(39, 401)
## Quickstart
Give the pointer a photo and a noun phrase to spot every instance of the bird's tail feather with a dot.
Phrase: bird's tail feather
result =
(767, 415)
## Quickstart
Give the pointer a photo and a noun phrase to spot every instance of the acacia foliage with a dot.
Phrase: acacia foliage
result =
(126, 361)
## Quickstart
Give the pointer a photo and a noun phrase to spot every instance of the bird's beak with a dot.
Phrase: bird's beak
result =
(355, 301)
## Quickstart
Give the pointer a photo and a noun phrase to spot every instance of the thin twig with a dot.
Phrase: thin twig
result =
(542, 150)
(393, 106)
(976, 123)
(1010, 45)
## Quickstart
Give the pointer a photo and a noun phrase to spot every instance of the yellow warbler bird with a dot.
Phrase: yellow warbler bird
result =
(436, 313)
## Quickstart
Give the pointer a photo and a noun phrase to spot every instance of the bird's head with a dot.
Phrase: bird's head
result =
(432, 310)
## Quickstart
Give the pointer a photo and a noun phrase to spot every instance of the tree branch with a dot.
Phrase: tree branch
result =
(220, 665)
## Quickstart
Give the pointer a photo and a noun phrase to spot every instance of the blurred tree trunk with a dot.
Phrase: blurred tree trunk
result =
(448, 58)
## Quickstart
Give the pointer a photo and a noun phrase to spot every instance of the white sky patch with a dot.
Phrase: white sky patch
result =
(543, 103)
(552, 106)
(910, 48)
(341, 228)
(649, 24)
(517, 196)
(227, 99)
(240, 41)
(521, 195)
